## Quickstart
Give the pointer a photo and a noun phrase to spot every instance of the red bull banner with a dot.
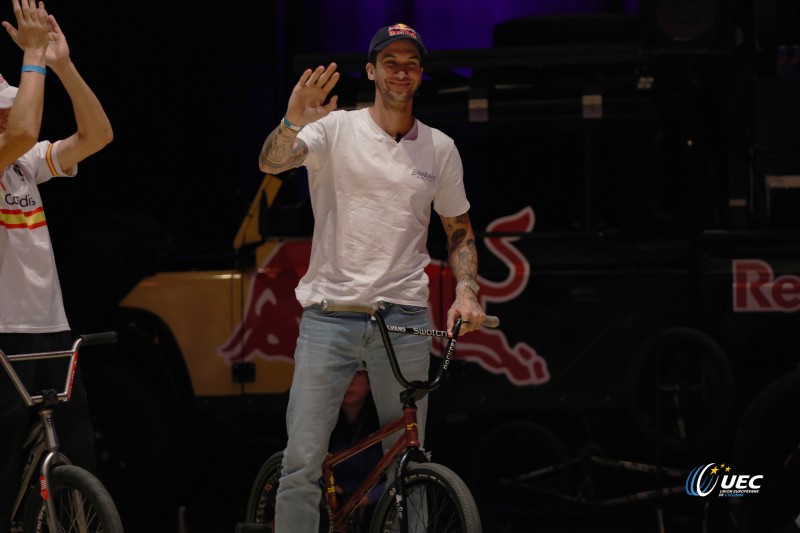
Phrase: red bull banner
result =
(270, 324)
(757, 289)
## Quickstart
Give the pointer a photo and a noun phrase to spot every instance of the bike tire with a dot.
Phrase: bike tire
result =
(67, 482)
(263, 493)
(510, 502)
(767, 442)
(693, 363)
(450, 505)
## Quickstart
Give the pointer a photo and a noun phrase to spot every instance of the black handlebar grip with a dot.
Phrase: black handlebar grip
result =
(107, 337)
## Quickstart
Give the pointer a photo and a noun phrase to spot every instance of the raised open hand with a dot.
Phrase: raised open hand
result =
(57, 48)
(307, 101)
(31, 32)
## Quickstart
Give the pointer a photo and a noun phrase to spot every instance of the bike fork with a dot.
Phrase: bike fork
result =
(400, 494)
(53, 458)
(44, 491)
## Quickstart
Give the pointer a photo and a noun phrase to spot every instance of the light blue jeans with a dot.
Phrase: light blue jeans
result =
(330, 349)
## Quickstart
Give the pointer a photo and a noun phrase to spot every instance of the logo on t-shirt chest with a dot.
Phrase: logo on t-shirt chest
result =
(423, 175)
(21, 201)
(17, 196)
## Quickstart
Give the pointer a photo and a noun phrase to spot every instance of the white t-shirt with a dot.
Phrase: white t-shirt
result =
(372, 199)
(30, 294)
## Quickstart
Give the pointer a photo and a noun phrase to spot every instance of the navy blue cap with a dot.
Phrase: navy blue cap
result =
(390, 34)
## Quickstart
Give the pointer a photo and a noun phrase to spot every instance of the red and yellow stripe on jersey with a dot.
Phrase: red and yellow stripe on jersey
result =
(17, 218)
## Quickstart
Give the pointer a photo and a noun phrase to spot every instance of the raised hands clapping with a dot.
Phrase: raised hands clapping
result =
(32, 31)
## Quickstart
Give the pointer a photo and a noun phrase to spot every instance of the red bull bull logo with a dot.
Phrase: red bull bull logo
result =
(271, 321)
(270, 325)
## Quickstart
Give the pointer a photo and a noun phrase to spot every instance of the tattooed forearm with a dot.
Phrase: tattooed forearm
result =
(281, 151)
(462, 252)
(464, 262)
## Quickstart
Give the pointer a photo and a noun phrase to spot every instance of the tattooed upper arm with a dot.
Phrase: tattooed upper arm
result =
(282, 151)
(458, 230)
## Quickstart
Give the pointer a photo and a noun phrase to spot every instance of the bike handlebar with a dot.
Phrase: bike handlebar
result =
(414, 390)
(371, 308)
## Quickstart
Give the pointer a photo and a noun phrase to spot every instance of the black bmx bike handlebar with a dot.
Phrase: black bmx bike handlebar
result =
(414, 390)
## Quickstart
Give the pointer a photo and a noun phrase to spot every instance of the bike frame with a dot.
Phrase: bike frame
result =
(407, 446)
(409, 441)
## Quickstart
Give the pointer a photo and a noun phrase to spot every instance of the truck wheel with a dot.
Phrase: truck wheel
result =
(767, 443)
(138, 435)
(681, 390)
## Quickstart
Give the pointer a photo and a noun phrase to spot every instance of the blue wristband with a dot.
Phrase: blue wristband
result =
(34, 68)
(291, 126)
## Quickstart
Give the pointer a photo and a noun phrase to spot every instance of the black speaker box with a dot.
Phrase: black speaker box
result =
(572, 29)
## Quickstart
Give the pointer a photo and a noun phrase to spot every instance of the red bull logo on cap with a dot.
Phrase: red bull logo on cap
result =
(402, 29)
(271, 294)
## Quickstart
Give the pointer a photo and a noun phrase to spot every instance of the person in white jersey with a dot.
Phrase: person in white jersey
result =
(374, 174)
(32, 316)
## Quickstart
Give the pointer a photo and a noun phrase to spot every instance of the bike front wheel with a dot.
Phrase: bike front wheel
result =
(436, 501)
(81, 502)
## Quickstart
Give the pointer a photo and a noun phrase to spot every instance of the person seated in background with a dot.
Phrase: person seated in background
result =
(357, 419)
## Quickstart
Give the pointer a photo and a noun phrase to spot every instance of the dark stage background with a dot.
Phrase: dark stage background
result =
(193, 87)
